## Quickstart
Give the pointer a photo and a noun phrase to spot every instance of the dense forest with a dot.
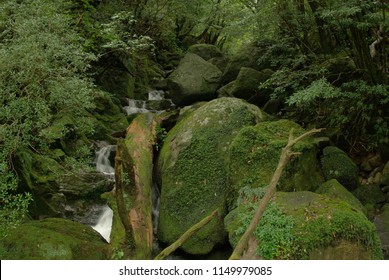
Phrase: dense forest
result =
(236, 76)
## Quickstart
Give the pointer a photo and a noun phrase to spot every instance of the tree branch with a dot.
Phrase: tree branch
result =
(286, 154)
(192, 230)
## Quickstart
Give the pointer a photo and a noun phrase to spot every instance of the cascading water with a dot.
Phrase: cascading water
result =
(135, 107)
(103, 160)
(105, 166)
(104, 224)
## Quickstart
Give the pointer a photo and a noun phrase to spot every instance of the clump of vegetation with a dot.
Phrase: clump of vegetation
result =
(295, 224)
(42, 78)
(356, 109)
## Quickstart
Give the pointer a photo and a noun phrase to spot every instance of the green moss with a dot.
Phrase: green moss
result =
(53, 239)
(297, 225)
(193, 163)
(255, 153)
(334, 189)
(337, 165)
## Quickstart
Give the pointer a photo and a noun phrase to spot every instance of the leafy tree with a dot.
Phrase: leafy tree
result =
(42, 78)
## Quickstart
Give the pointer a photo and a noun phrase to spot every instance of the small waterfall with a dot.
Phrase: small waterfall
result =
(135, 107)
(104, 223)
(103, 162)
(156, 95)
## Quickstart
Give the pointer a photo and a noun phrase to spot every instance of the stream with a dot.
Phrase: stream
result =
(104, 164)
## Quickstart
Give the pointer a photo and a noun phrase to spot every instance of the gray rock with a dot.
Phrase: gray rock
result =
(194, 80)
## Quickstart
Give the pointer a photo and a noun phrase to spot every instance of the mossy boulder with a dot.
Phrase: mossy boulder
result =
(370, 194)
(193, 168)
(53, 239)
(306, 225)
(194, 80)
(247, 84)
(337, 165)
(226, 91)
(334, 189)
(88, 185)
(254, 155)
(38, 175)
(247, 56)
(205, 51)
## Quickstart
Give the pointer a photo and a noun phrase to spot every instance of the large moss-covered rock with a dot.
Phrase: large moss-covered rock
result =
(194, 80)
(247, 84)
(193, 168)
(337, 165)
(205, 51)
(334, 189)
(86, 185)
(247, 56)
(255, 152)
(53, 239)
(305, 225)
(38, 175)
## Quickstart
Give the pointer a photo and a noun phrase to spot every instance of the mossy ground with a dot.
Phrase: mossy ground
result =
(50, 239)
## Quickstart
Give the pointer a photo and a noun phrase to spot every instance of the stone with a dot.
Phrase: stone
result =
(305, 225)
(226, 91)
(255, 153)
(205, 51)
(337, 165)
(53, 239)
(193, 171)
(247, 84)
(334, 189)
(248, 56)
(85, 185)
(193, 80)
(369, 194)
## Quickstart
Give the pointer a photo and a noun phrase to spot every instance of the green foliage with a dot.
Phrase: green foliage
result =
(294, 226)
(274, 232)
(42, 78)
(356, 109)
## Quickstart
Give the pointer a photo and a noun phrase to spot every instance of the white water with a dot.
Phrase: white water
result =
(104, 224)
(156, 95)
(135, 107)
(103, 163)
(140, 106)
